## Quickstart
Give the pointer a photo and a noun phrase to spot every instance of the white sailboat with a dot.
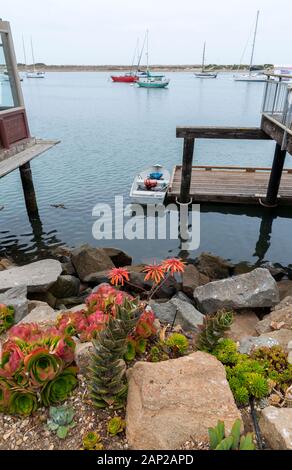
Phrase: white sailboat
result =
(204, 74)
(251, 77)
(34, 73)
(151, 80)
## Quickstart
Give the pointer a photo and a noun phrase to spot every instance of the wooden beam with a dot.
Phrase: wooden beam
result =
(214, 132)
(276, 131)
(186, 171)
(29, 191)
(275, 177)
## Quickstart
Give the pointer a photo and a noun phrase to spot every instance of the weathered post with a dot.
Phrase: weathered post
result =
(275, 177)
(186, 171)
(28, 190)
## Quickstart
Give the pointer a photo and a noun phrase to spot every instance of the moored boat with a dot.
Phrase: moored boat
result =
(150, 185)
(204, 74)
(34, 73)
(152, 80)
(126, 78)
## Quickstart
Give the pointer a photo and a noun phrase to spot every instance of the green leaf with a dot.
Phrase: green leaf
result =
(220, 429)
(62, 432)
(246, 442)
(213, 438)
(225, 444)
(52, 426)
(235, 433)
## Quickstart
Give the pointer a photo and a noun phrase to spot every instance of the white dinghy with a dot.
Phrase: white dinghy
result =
(150, 185)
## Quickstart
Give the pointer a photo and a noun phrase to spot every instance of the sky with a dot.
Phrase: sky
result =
(99, 32)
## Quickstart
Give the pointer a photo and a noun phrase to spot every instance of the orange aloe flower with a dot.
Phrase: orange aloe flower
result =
(118, 276)
(155, 273)
(173, 265)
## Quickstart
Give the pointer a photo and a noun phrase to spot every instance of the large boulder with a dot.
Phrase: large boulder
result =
(37, 277)
(118, 257)
(276, 427)
(250, 343)
(184, 314)
(252, 290)
(213, 266)
(17, 298)
(275, 321)
(65, 286)
(88, 260)
(171, 401)
(192, 278)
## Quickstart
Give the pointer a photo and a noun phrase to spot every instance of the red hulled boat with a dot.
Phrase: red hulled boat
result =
(127, 78)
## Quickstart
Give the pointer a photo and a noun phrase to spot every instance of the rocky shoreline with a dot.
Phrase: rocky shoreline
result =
(193, 388)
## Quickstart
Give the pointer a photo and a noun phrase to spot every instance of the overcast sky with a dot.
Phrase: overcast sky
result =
(106, 31)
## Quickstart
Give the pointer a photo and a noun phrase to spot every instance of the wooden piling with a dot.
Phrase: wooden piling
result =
(275, 177)
(28, 190)
(186, 170)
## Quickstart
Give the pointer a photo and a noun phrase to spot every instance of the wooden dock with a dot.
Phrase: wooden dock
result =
(229, 184)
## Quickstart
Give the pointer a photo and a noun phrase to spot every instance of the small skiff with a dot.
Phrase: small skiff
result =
(150, 185)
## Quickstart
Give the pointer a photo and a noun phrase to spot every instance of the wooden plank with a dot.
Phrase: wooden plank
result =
(19, 159)
(214, 132)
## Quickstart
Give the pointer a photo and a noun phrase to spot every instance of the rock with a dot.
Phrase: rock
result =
(44, 297)
(282, 317)
(286, 302)
(289, 346)
(283, 337)
(17, 298)
(118, 257)
(185, 314)
(38, 276)
(192, 278)
(171, 401)
(68, 268)
(43, 314)
(83, 353)
(5, 264)
(213, 266)
(276, 270)
(72, 301)
(137, 276)
(251, 290)
(285, 288)
(36, 303)
(65, 286)
(250, 343)
(97, 278)
(180, 295)
(289, 358)
(243, 325)
(88, 260)
(276, 427)
(242, 268)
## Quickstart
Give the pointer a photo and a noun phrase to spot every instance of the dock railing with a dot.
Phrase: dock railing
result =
(277, 102)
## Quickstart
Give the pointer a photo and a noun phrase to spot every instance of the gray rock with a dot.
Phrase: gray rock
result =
(276, 320)
(251, 290)
(88, 260)
(286, 302)
(185, 314)
(38, 276)
(276, 427)
(248, 344)
(118, 257)
(68, 268)
(65, 286)
(282, 336)
(83, 354)
(43, 314)
(213, 266)
(192, 278)
(243, 325)
(17, 298)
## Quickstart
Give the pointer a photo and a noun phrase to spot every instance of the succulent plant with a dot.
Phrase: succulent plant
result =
(36, 368)
(178, 344)
(108, 386)
(219, 441)
(213, 329)
(116, 425)
(92, 441)
(6, 317)
(61, 420)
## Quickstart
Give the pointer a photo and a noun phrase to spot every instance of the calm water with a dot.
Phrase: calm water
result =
(108, 133)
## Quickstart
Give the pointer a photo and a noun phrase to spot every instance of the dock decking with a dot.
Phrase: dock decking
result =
(229, 184)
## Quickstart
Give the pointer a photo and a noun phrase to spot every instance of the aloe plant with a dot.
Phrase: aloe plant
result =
(61, 420)
(219, 441)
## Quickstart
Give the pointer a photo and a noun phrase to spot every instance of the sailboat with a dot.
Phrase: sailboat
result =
(35, 73)
(132, 76)
(151, 80)
(204, 74)
(251, 77)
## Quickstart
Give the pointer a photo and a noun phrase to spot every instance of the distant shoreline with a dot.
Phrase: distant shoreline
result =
(124, 68)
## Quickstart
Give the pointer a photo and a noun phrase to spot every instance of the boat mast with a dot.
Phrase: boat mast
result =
(203, 59)
(32, 54)
(24, 53)
(254, 40)
(147, 51)
(141, 53)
